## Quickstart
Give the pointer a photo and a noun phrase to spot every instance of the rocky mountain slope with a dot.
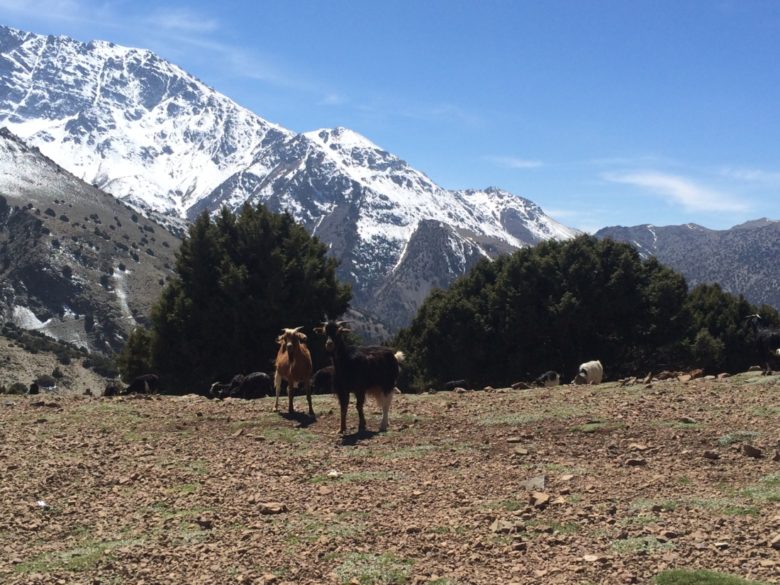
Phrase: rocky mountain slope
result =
(743, 260)
(75, 262)
(143, 129)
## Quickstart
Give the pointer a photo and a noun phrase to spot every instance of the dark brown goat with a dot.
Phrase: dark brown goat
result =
(360, 370)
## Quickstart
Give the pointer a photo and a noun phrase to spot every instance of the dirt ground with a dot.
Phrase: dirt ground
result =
(575, 485)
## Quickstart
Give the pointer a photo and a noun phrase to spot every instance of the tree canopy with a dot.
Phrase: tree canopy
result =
(559, 304)
(240, 278)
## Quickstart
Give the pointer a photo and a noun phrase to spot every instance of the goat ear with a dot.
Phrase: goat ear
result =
(345, 330)
(320, 330)
(301, 336)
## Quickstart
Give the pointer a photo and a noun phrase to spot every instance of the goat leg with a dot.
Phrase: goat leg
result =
(278, 388)
(307, 386)
(386, 399)
(360, 399)
(344, 404)
(290, 395)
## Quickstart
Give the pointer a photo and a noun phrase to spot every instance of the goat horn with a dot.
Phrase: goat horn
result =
(297, 329)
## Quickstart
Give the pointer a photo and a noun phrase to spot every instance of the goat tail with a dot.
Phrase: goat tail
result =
(400, 356)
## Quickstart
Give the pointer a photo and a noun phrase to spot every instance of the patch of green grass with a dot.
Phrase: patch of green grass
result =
(641, 544)
(288, 435)
(358, 476)
(460, 530)
(645, 504)
(81, 558)
(166, 512)
(411, 452)
(371, 569)
(679, 425)
(766, 411)
(685, 577)
(199, 467)
(309, 528)
(186, 488)
(767, 489)
(727, 506)
(405, 418)
(737, 437)
(520, 419)
(637, 520)
(508, 505)
(540, 527)
(596, 426)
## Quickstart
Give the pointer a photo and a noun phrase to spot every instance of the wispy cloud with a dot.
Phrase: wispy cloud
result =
(513, 162)
(645, 160)
(184, 20)
(678, 190)
(333, 99)
(751, 175)
(441, 112)
(74, 11)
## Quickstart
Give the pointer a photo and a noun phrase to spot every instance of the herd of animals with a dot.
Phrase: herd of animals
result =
(373, 371)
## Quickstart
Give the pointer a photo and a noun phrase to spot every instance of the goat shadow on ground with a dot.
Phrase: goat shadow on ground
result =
(354, 438)
(303, 419)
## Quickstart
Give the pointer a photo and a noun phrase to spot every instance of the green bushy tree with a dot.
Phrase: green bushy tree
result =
(240, 278)
(719, 317)
(549, 307)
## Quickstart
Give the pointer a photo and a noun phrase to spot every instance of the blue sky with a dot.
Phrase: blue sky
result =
(603, 112)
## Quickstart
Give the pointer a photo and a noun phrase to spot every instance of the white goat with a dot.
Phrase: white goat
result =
(590, 373)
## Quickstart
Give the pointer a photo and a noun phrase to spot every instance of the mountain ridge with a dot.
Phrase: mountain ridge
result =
(743, 259)
(141, 128)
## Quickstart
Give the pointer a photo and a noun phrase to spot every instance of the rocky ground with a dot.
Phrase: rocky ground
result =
(603, 484)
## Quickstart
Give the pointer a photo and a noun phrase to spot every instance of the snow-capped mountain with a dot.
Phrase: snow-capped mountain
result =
(124, 119)
(143, 129)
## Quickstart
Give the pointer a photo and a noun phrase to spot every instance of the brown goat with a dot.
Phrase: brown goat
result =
(293, 365)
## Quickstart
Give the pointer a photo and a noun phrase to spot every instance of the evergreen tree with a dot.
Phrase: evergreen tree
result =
(240, 280)
(549, 307)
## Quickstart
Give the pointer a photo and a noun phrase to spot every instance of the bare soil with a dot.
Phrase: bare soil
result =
(599, 484)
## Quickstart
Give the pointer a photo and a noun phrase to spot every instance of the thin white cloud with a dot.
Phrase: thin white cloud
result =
(442, 111)
(53, 11)
(645, 160)
(512, 162)
(41, 7)
(678, 190)
(333, 99)
(751, 175)
(183, 20)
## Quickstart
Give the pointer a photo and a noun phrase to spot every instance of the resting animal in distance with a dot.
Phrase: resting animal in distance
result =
(548, 379)
(589, 373)
(360, 370)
